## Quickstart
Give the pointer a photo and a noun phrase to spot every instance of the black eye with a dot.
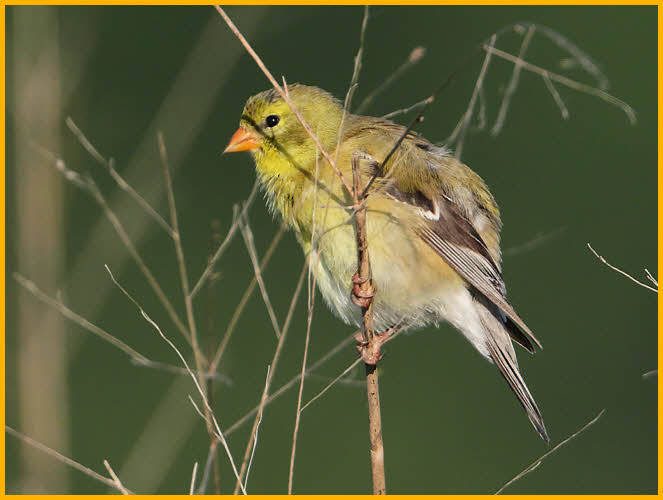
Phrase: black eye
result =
(272, 120)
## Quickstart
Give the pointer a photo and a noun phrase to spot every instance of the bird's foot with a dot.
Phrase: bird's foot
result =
(370, 351)
(362, 291)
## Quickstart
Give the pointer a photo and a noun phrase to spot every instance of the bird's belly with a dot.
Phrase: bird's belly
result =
(413, 284)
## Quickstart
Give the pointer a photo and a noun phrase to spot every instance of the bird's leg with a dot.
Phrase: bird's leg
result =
(371, 353)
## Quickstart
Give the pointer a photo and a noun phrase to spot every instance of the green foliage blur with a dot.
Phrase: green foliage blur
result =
(451, 424)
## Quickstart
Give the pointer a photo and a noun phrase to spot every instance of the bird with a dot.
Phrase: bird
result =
(433, 226)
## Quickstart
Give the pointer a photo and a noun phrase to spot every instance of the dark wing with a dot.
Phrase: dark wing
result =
(456, 240)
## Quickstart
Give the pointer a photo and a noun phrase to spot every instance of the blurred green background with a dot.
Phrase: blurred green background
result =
(450, 423)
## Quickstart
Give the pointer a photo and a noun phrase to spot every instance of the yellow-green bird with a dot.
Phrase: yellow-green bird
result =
(433, 227)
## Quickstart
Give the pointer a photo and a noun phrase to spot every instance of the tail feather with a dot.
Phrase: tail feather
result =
(501, 351)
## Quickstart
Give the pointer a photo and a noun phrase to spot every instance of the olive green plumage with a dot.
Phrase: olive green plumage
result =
(433, 225)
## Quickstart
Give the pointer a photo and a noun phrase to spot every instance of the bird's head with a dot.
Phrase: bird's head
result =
(273, 133)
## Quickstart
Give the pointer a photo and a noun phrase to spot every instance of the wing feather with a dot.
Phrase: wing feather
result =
(456, 240)
(479, 272)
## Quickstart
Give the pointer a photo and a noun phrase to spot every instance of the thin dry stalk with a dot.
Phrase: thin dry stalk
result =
(136, 358)
(655, 290)
(219, 433)
(151, 279)
(209, 462)
(393, 333)
(225, 339)
(413, 58)
(247, 234)
(272, 371)
(651, 278)
(332, 383)
(513, 83)
(58, 456)
(198, 355)
(265, 391)
(538, 461)
(577, 55)
(567, 82)
(116, 480)
(558, 98)
(192, 486)
(31, 287)
(87, 184)
(119, 180)
(224, 244)
(404, 111)
(467, 117)
(291, 383)
(295, 432)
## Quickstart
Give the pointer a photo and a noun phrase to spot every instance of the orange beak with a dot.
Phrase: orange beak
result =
(242, 140)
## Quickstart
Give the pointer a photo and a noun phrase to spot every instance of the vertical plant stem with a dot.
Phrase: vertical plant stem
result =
(372, 383)
(270, 376)
(198, 355)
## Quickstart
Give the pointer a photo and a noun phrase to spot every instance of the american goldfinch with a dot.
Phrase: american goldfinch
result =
(433, 227)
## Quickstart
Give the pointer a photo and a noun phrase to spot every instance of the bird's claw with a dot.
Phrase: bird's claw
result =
(370, 351)
(362, 295)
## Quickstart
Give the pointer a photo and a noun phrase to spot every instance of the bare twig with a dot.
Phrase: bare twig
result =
(567, 82)
(423, 106)
(136, 358)
(338, 380)
(404, 111)
(87, 184)
(538, 461)
(295, 432)
(58, 456)
(272, 371)
(116, 480)
(655, 290)
(291, 383)
(651, 278)
(198, 355)
(159, 366)
(225, 339)
(192, 486)
(513, 83)
(329, 386)
(467, 117)
(31, 287)
(211, 457)
(222, 247)
(119, 180)
(217, 428)
(558, 98)
(265, 391)
(413, 58)
(577, 54)
(349, 382)
(139, 261)
(247, 234)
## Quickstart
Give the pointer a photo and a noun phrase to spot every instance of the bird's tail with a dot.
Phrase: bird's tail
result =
(503, 355)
